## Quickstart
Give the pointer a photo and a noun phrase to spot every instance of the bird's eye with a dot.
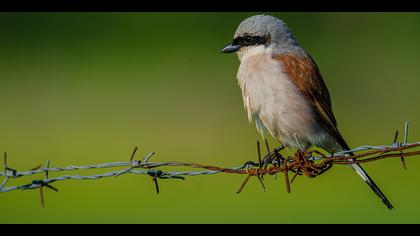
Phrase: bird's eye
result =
(247, 39)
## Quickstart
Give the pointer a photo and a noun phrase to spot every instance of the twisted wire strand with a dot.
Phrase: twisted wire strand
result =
(146, 167)
(37, 184)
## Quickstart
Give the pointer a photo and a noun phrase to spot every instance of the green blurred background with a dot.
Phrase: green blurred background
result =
(79, 88)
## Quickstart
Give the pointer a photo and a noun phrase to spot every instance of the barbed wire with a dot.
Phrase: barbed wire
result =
(310, 163)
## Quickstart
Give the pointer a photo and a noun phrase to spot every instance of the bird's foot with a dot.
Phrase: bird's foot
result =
(271, 158)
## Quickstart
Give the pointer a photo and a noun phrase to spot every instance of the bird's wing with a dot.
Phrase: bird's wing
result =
(305, 74)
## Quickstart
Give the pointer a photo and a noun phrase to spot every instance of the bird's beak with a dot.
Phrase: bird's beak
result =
(231, 48)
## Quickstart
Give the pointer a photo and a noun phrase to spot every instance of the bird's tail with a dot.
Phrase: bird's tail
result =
(360, 171)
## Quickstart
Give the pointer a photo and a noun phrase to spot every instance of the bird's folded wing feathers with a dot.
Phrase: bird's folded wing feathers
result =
(305, 74)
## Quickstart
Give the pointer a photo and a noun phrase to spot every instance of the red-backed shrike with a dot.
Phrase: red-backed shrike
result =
(283, 90)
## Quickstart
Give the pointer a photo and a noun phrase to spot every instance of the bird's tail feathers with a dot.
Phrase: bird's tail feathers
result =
(362, 173)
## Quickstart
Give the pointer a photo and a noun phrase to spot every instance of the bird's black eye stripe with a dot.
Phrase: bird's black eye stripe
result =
(248, 40)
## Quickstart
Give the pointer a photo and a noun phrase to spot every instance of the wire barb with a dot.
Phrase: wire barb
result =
(243, 184)
(7, 170)
(134, 163)
(286, 176)
(405, 142)
(260, 165)
(155, 175)
(44, 183)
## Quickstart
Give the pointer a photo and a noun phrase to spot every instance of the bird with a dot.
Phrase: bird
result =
(284, 92)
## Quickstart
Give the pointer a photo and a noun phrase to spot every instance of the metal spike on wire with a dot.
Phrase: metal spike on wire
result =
(405, 142)
(310, 163)
(45, 183)
(5, 172)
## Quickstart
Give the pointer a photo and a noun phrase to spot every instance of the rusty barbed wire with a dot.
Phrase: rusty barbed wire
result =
(310, 163)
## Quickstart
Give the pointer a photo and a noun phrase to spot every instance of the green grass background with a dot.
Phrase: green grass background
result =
(79, 88)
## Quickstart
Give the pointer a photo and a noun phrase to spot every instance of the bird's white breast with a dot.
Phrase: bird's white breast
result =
(273, 100)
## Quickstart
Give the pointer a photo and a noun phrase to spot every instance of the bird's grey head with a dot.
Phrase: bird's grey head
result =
(261, 30)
